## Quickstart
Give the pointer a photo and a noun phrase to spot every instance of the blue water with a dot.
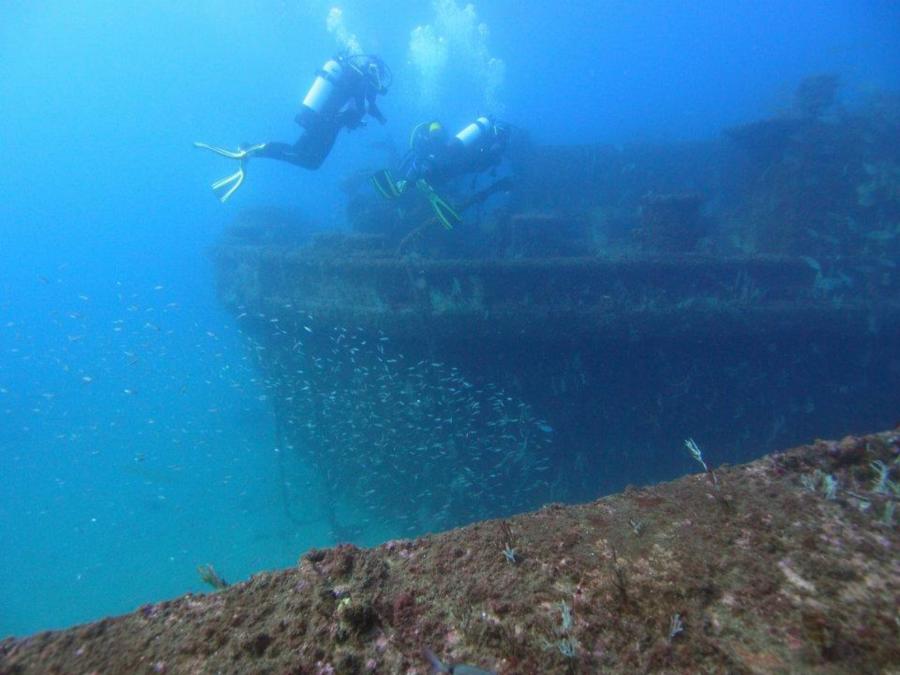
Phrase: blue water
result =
(136, 436)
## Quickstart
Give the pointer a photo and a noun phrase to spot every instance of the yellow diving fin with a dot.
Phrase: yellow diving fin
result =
(445, 213)
(387, 187)
(235, 179)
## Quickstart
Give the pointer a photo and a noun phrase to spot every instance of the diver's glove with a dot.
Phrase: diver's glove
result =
(235, 179)
(445, 213)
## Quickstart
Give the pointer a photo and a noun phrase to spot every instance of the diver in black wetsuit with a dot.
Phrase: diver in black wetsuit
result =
(437, 159)
(343, 93)
(434, 159)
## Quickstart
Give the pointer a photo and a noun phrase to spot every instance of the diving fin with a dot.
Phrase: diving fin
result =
(237, 178)
(234, 179)
(444, 212)
(240, 153)
(387, 187)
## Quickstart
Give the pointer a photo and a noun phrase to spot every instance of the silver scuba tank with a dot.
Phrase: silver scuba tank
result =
(475, 133)
(322, 97)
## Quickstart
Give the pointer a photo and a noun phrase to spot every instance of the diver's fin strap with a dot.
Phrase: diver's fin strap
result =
(386, 185)
(445, 213)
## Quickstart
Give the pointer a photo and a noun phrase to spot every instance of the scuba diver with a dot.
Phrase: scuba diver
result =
(433, 159)
(342, 94)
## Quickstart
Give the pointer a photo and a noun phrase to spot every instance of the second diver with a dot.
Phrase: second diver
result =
(434, 159)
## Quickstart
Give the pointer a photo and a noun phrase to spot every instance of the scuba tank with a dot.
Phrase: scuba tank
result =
(477, 133)
(324, 97)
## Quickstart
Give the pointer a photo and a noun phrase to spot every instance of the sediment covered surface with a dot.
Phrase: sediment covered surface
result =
(785, 564)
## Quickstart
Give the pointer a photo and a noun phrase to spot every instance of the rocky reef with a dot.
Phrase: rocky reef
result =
(786, 564)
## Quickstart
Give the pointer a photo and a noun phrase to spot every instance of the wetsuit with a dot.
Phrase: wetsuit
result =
(438, 161)
(354, 98)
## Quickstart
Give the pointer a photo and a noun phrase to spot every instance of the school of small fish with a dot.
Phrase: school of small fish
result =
(399, 438)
